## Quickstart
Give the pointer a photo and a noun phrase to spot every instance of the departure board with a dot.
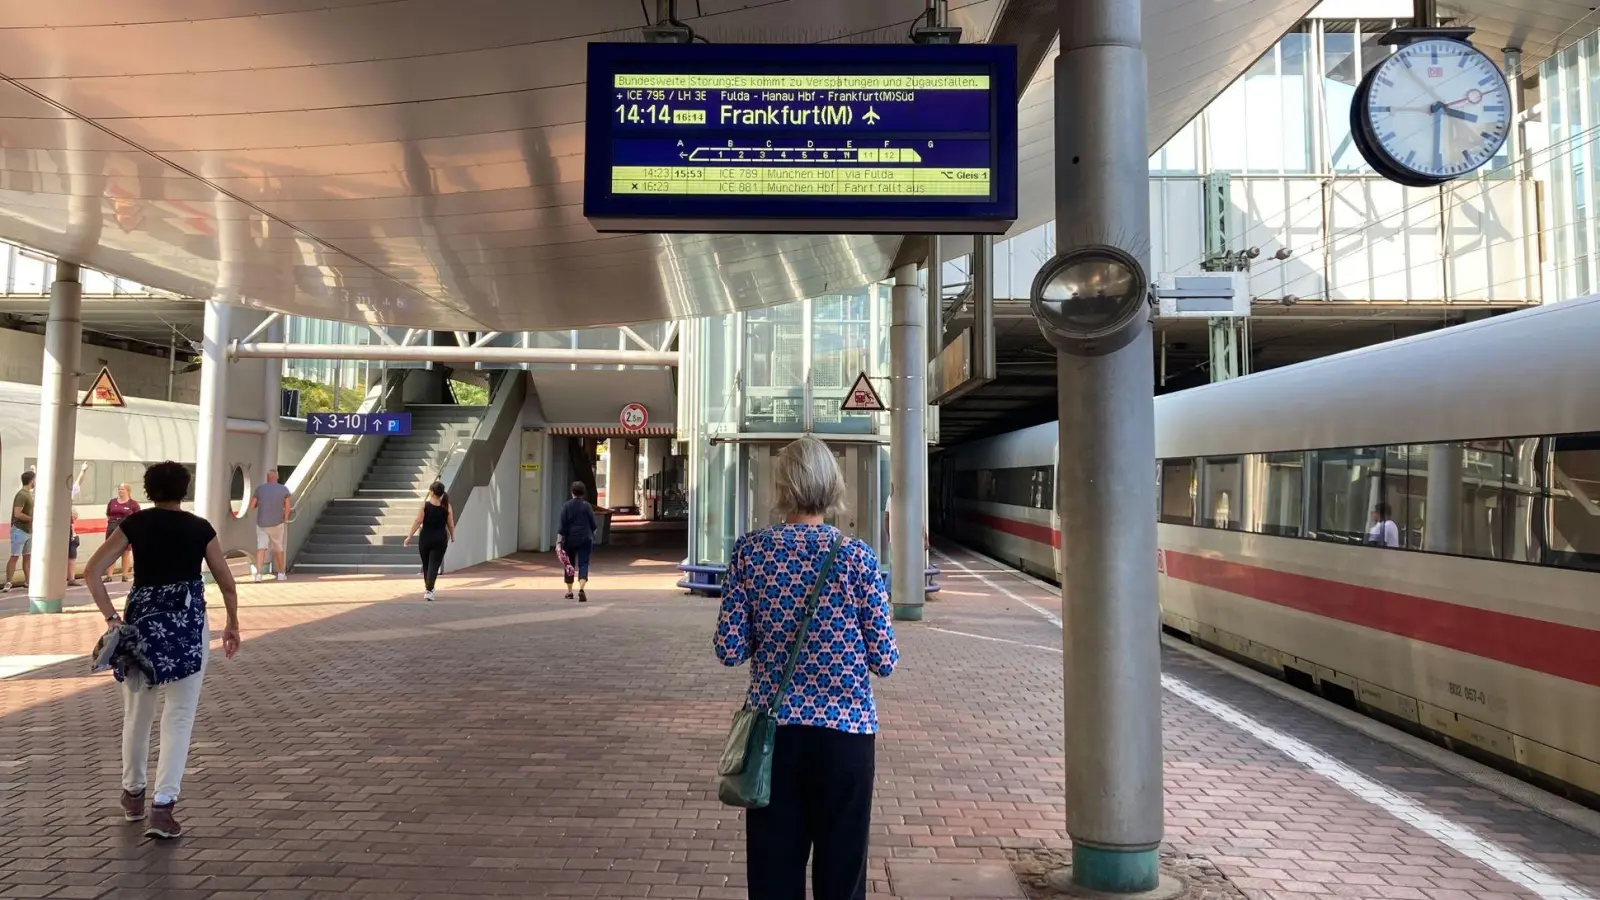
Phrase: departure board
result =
(848, 139)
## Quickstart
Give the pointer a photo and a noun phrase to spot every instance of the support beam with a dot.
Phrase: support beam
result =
(908, 446)
(454, 355)
(211, 466)
(58, 428)
(633, 336)
(261, 327)
(378, 331)
(1105, 491)
(271, 406)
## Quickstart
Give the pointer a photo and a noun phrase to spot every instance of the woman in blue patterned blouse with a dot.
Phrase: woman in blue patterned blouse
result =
(164, 637)
(823, 758)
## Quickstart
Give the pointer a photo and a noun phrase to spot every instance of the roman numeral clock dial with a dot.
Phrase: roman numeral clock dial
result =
(1435, 110)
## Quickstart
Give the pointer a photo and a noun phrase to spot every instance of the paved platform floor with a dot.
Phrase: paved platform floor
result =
(505, 742)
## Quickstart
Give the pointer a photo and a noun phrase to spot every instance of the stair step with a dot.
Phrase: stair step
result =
(362, 531)
(409, 560)
(324, 538)
(305, 568)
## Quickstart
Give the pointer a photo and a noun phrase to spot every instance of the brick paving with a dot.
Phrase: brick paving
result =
(504, 742)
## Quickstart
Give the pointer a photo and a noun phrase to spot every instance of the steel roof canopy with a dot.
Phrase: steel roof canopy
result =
(419, 162)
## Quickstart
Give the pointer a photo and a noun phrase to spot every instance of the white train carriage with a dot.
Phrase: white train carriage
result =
(118, 444)
(1413, 529)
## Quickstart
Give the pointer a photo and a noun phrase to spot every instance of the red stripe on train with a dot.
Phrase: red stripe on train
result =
(1564, 651)
(82, 526)
(1031, 531)
(1549, 647)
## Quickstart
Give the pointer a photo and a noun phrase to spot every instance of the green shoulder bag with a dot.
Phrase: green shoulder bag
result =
(746, 766)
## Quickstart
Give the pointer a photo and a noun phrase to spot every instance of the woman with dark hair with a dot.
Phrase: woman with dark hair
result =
(163, 637)
(575, 538)
(438, 526)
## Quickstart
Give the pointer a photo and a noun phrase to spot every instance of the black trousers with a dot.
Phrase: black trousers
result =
(432, 547)
(821, 808)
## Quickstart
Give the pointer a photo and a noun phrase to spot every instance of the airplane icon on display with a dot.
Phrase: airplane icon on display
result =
(872, 117)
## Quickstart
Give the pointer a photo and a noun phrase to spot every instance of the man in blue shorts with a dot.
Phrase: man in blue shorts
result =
(21, 530)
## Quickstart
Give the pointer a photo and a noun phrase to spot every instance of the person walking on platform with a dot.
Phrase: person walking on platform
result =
(438, 524)
(21, 531)
(575, 538)
(121, 506)
(271, 504)
(163, 637)
(823, 756)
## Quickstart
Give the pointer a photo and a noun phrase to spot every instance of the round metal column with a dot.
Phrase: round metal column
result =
(58, 426)
(1106, 470)
(908, 446)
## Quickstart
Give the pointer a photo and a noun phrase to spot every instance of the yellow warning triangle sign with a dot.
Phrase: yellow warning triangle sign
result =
(862, 397)
(104, 391)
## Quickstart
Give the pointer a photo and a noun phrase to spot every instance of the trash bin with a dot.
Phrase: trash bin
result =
(602, 521)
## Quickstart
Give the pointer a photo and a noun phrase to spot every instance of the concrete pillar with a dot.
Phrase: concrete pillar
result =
(58, 429)
(1106, 484)
(655, 458)
(622, 473)
(908, 446)
(211, 464)
(272, 404)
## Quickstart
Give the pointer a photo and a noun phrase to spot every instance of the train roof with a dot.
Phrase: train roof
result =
(1532, 372)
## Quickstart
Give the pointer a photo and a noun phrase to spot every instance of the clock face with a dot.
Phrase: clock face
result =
(1437, 108)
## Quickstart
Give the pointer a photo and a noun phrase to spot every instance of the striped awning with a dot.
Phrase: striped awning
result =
(611, 431)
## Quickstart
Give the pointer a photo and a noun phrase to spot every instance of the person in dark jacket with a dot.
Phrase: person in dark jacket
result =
(575, 537)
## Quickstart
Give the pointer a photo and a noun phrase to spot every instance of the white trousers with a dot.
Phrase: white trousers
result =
(180, 699)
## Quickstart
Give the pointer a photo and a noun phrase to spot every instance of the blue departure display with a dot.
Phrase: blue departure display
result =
(387, 424)
(846, 138)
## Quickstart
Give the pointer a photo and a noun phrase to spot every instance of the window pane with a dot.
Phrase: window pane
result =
(1522, 499)
(1177, 491)
(1277, 493)
(1224, 484)
(1339, 80)
(1574, 527)
(1349, 487)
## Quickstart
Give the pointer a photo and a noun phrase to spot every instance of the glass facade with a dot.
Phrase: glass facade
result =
(1570, 85)
(25, 272)
(758, 378)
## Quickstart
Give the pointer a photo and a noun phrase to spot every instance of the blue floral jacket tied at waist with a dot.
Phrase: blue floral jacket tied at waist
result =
(163, 635)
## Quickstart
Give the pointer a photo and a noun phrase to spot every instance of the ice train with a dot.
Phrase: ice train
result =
(1412, 529)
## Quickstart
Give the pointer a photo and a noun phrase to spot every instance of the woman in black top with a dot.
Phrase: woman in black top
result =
(163, 638)
(575, 537)
(438, 526)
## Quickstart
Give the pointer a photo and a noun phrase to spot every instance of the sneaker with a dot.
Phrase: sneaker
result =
(257, 578)
(6, 588)
(133, 806)
(569, 595)
(162, 823)
(428, 596)
(282, 577)
(583, 596)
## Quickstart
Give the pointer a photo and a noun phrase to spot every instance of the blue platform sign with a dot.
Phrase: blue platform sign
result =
(807, 138)
(387, 424)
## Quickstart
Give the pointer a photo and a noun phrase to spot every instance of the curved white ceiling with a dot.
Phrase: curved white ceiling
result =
(419, 162)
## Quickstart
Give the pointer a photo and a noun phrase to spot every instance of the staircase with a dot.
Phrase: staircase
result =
(362, 535)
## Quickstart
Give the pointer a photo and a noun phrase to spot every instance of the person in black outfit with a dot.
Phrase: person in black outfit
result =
(438, 526)
(576, 537)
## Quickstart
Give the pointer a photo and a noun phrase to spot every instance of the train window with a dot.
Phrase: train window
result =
(1456, 498)
(1523, 498)
(1573, 525)
(1348, 486)
(1277, 493)
(1224, 491)
(1177, 491)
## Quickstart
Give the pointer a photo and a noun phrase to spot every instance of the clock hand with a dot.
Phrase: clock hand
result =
(1459, 114)
(1438, 122)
